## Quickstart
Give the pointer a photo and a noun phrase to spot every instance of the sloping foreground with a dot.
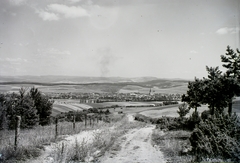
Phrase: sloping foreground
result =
(52, 153)
(124, 141)
(135, 147)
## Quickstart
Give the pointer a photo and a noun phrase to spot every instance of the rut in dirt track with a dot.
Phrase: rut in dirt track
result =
(136, 148)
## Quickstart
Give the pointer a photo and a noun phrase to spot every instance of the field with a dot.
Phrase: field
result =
(67, 105)
(171, 112)
(98, 85)
(166, 89)
(144, 108)
(62, 105)
(96, 88)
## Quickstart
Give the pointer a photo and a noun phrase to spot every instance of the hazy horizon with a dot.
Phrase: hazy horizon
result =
(122, 38)
(72, 76)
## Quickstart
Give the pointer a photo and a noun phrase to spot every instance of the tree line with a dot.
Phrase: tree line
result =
(32, 105)
(216, 134)
(219, 88)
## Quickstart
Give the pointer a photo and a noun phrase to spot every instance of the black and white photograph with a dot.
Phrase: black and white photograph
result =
(119, 81)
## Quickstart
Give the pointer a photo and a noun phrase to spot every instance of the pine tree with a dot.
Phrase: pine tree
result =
(183, 110)
(43, 106)
(21, 105)
(231, 61)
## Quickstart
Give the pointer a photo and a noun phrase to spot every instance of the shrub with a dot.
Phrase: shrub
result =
(205, 114)
(170, 123)
(217, 136)
(193, 120)
(183, 110)
(143, 118)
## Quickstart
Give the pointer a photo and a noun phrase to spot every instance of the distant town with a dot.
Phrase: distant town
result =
(116, 97)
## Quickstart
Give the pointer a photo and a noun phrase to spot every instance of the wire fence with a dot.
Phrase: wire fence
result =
(12, 137)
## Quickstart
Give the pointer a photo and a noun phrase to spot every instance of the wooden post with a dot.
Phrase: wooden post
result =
(62, 148)
(74, 122)
(56, 128)
(97, 118)
(17, 131)
(90, 119)
(93, 121)
(85, 120)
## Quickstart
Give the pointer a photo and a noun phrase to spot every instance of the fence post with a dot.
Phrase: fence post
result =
(90, 119)
(97, 118)
(93, 121)
(85, 121)
(17, 131)
(74, 122)
(56, 128)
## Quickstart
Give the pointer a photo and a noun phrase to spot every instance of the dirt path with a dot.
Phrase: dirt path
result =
(136, 147)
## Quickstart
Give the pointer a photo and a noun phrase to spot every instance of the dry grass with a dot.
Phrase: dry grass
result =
(172, 144)
(31, 141)
(99, 142)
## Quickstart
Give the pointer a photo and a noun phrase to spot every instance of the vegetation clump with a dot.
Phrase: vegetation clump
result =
(215, 134)
(217, 137)
(33, 107)
(183, 110)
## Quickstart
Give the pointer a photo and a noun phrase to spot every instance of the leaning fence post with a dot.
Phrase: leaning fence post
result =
(74, 122)
(56, 128)
(17, 131)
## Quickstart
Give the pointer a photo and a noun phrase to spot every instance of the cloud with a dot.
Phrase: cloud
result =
(57, 52)
(227, 30)
(193, 52)
(52, 53)
(47, 15)
(14, 60)
(68, 12)
(74, 1)
(17, 2)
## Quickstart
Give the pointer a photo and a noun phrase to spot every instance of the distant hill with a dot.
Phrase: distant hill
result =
(73, 79)
(94, 84)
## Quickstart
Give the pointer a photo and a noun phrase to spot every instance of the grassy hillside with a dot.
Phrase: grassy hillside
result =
(158, 86)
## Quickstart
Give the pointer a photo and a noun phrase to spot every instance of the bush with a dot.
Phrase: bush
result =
(217, 137)
(180, 123)
(183, 110)
(143, 118)
(170, 123)
(205, 114)
(193, 120)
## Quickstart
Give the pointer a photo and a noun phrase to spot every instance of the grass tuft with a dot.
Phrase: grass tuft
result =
(173, 144)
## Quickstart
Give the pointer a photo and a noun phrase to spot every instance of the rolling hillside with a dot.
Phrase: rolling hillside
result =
(48, 84)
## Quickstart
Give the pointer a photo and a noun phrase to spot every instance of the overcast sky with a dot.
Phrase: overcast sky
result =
(126, 38)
